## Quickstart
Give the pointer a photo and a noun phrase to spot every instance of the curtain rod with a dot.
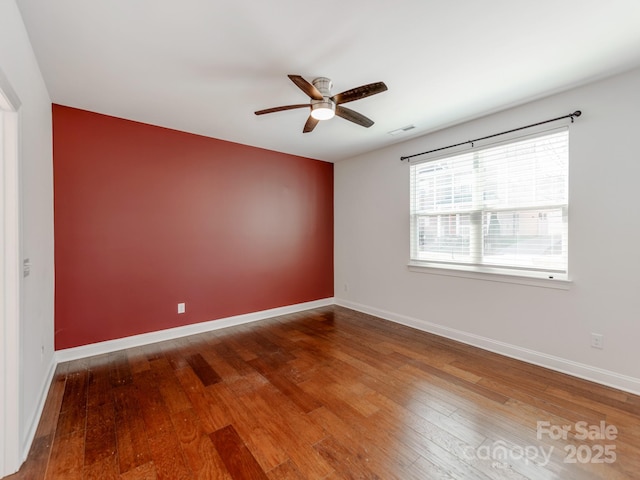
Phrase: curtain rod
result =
(577, 113)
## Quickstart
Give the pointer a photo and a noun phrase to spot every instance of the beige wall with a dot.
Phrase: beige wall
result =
(548, 326)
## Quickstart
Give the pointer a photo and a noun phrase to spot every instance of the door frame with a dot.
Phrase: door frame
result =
(10, 279)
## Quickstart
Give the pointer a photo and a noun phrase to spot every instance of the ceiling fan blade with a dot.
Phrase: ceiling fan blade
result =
(353, 116)
(306, 87)
(280, 109)
(359, 92)
(310, 125)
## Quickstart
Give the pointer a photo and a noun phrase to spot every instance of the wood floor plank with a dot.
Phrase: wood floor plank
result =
(67, 457)
(212, 414)
(232, 358)
(104, 469)
(236, 456)
(349, 464)
(305, 402)
(294, 432)
(454, 380)
(177, 351)
(73, 408)
(206, 374)
(423, 468)
(285, 471)
(145, 471)
(592, 400)
(99, 383)
(131, 436)
(120, 369)
(199, 451)
(169, 386)
(100, 434)
(226, 371)
(52, 406)
(273, 427)
(167, 456)
(325, 394)
(352, 428)
(75, 392)
(260, 439)
(153, 409)
(138, 360)
(386, 457)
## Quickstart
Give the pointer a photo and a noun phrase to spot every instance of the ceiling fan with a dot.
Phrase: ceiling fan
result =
(324, 106)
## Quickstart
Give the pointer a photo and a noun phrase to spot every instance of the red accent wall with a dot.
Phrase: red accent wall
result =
(147, 217)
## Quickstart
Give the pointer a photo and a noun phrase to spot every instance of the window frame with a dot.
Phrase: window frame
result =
(511, 274)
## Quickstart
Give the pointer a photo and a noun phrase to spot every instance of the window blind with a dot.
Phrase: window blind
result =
(503, 206)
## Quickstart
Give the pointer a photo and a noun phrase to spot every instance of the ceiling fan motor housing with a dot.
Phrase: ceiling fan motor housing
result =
(325, 108)
(324, 85)
(324, 105)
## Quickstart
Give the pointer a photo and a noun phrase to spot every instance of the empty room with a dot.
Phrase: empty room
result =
(319, 240)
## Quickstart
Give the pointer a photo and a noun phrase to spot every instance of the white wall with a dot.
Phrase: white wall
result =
(19, 65)
(546, 326)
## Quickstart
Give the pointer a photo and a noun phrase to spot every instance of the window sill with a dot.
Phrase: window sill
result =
(493, 275)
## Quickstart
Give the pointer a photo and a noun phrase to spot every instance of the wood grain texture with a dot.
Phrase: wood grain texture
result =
(235, 455)
(325, 394)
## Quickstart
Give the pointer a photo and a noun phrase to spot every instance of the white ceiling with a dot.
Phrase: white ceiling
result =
(204, 66)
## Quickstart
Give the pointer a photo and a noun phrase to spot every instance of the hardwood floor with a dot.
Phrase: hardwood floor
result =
(327, 394)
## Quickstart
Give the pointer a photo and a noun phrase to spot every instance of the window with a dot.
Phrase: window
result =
(500, 208)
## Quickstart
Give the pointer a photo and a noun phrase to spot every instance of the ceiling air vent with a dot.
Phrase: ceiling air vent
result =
(402, 130)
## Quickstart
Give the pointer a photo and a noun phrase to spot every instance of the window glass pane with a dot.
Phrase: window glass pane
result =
(525, 238)
(444, 185)
(525, 173)
(446, 237)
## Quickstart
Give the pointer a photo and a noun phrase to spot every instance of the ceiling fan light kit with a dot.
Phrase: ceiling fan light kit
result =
(323, 110)
(324, 106)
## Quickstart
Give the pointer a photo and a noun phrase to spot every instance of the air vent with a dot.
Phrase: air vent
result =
(402, 130)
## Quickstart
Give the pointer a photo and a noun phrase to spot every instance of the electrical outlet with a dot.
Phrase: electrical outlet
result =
(181, 308)
(597, 340)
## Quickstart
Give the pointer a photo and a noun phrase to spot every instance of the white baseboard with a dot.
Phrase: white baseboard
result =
(193, 329)
(576, 369)
(35, 419)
